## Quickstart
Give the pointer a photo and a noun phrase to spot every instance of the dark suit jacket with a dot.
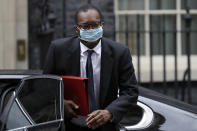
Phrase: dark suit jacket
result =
(117, 72)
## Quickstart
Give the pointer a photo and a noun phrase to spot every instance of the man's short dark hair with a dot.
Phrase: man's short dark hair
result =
(85, 8)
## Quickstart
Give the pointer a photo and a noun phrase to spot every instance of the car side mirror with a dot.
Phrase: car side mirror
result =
(38, 101)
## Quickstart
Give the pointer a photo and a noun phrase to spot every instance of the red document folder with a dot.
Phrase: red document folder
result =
(76, 89)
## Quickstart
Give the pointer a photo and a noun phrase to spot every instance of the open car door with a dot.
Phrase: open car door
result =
(37, 104)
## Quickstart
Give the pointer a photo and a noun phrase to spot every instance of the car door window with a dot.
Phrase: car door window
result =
(40, 99)
(16, 118)
(37, 101)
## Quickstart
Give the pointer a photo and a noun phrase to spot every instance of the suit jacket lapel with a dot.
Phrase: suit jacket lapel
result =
(74, 58)
(106, 70)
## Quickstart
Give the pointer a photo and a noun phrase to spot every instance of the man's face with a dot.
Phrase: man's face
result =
(88, 20)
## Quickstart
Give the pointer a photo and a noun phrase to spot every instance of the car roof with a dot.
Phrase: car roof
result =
(17, 74)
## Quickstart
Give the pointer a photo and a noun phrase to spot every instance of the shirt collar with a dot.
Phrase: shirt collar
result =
(97, 48)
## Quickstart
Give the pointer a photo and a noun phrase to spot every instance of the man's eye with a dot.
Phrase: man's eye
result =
(86, 26)
(94, 25)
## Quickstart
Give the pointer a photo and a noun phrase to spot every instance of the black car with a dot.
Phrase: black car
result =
(36, 103)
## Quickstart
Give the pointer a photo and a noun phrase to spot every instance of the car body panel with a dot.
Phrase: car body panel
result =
(169, 114)
(170, 118)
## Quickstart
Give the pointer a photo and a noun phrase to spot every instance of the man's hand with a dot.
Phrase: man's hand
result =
(69, 109)
(98, 118)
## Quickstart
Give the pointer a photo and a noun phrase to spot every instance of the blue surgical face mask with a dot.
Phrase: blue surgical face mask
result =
(91, 35)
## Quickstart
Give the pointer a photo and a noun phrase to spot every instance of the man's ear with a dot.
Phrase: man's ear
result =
(77, 30)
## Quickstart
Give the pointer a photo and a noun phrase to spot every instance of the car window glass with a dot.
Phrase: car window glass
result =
(16, 118)
(38, 101)
(41, 99)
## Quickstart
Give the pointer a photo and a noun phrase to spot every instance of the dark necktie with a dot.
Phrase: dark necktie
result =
(89, 74)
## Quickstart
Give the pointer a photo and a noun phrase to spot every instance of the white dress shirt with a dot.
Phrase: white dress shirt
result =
(96, 63)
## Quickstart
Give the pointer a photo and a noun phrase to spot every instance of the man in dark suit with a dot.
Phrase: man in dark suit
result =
(112, 67)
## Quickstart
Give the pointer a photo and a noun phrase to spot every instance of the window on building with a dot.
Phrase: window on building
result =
(162, 29)
(131, 4)
(193, 37)
(131, 26)
(190, 3)
(157, 22)
(148, 27)
(162, 4)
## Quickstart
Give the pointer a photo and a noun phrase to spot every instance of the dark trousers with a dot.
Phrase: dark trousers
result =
(72, 127)
(107, 127)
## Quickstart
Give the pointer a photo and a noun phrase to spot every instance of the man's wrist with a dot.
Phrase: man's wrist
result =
(111, 119)
(111, 116)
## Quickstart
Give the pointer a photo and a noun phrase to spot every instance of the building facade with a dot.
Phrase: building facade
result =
(13, 34)
(155, 26)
